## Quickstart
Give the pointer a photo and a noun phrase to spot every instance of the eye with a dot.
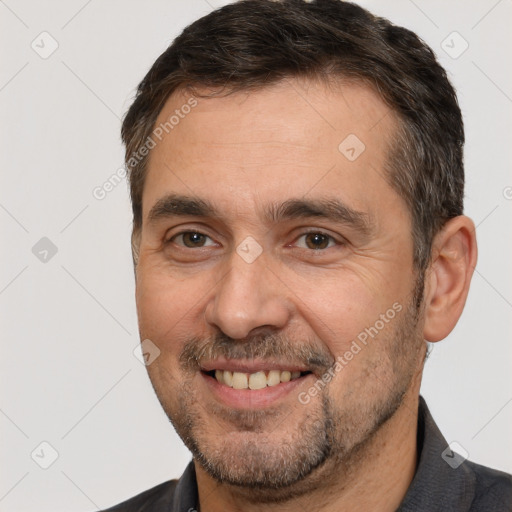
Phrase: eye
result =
(315, 241)
(192, 239)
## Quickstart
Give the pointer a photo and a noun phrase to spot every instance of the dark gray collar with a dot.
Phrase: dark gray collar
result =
(437, 486)
(185, 494)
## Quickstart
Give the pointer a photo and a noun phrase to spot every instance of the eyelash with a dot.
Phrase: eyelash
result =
(322, 233)
(181, 233)
(312, 232)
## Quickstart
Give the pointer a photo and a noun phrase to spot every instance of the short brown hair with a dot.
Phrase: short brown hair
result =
(254, 43)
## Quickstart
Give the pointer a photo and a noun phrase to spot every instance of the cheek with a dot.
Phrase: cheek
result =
(339, 308)
(338, 315)
(167, 307)
(357, 326)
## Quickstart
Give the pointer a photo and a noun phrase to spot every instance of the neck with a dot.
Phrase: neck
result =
(377, 480)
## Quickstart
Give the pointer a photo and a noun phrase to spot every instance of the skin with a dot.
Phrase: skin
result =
(353, 445)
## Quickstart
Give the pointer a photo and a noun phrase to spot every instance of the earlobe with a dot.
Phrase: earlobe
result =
(454, 255)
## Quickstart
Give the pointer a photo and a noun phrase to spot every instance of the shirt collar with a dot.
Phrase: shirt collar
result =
(186, 497)
(437, 486)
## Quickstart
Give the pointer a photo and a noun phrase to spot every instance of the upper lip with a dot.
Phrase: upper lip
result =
(252, 366)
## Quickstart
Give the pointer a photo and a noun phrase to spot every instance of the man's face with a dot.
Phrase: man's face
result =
(271, 241)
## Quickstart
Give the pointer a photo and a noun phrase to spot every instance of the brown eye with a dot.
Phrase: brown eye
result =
(316, 241)
(192, 239)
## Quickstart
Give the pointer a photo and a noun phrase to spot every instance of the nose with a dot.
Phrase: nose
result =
(249, 297)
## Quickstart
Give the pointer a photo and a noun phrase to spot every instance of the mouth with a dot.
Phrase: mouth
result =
(256, 390)
(254, 381)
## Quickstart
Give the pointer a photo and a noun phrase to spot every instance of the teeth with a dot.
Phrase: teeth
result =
(274, 378)
(258, 380)
(228, 377)
(240, 380)
(286, 376)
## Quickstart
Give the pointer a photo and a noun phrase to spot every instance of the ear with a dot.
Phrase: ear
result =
(454, 254)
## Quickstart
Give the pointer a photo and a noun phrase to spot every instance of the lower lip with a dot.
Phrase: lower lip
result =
(251, 398)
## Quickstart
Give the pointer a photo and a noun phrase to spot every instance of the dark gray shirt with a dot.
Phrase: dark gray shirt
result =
(443, 482)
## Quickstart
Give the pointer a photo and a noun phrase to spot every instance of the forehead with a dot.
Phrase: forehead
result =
(291, 139)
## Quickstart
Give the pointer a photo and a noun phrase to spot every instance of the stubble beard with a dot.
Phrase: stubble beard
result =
(266, 462)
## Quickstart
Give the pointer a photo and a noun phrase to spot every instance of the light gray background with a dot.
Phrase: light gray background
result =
(68, 373)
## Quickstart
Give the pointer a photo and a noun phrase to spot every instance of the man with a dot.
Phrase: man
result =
(297, 187)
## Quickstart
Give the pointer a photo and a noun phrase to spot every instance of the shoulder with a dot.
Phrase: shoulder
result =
(493, 489)
(440, 485)
(154, 499)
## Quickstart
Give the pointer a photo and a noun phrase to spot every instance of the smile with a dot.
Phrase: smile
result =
(257, 380)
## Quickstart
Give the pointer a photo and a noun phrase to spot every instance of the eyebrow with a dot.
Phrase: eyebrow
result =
(331, 209)
(178, 205)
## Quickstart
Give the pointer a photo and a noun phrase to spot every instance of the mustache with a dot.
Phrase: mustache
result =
(267, 346)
